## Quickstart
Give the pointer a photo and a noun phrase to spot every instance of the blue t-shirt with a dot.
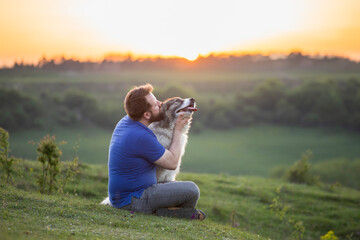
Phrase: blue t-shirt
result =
(133, 150)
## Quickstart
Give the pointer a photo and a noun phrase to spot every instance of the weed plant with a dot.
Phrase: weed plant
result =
(299, 172)
(6, 161)
(291, 227)
(49, 155)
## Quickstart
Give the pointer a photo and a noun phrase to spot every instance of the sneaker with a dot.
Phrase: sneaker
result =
(201, 215)
(189, 213)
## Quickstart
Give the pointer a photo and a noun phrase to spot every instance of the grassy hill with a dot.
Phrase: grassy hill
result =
(238, 207)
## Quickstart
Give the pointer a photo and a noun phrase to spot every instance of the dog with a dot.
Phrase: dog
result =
(164, 130)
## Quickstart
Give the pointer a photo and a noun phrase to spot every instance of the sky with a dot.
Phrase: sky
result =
(91, 29)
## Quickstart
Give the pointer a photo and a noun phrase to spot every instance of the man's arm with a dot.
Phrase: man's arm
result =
(170, 159)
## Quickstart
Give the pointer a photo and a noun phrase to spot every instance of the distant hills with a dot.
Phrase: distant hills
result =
(295, 61)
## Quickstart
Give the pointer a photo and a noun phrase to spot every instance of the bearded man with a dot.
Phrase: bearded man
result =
(134, 153)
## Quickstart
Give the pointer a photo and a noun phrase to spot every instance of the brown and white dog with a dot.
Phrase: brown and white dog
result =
(164, 130)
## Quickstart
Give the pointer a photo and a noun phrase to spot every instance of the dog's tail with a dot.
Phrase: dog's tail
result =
(106, 201)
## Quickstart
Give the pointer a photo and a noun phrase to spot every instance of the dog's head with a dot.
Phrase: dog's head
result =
(172, 107)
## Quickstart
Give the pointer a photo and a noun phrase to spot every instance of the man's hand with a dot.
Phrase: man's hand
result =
(181, 121)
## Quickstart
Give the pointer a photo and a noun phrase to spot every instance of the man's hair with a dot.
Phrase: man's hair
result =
(135, 103)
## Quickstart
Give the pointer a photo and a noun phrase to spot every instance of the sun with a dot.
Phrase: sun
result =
(191, 56)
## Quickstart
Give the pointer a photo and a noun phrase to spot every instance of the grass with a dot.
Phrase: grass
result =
(238, 207)
(93, 143)
(250, 151)
(33, 216)
(256, 150)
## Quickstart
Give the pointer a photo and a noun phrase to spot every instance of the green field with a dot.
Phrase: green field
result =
(93, 143)
(226, 165)
(247, 151)
(251, 150)
(237, 207)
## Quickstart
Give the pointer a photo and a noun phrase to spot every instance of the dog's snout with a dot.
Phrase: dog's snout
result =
(192, 99)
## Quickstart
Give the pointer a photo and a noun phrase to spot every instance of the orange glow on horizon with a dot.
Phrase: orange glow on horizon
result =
(87, 30)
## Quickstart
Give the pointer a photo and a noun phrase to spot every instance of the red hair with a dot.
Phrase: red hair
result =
(135, 103)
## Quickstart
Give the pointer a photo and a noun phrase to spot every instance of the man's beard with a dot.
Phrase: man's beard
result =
(158, 117)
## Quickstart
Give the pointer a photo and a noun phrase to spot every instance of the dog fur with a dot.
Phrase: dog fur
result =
(164, 130)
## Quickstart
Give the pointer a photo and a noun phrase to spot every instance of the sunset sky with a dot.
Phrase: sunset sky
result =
(90, 29)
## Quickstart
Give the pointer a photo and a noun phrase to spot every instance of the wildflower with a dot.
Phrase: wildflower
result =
(329, 236)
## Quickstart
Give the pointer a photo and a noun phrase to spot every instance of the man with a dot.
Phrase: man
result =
(133, 155)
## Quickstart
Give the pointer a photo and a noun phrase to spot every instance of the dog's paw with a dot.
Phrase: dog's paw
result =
(106, 201)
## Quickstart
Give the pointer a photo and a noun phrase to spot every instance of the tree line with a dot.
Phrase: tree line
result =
(294, 61)
(314, 103)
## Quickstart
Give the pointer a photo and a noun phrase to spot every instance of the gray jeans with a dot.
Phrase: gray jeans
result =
(163, 195)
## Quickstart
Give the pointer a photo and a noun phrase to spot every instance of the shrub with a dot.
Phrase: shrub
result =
(6, 162)
(49, 155)
(299, 172)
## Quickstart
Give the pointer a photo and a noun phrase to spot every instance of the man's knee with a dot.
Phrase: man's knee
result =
(193, 189)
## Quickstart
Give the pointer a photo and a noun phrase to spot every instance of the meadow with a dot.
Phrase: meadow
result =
(231, 166)
(267, 119)
(254, 139)
(237, 207)
(243, 151)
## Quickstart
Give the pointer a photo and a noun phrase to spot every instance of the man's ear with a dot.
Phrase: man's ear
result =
(147, 115)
